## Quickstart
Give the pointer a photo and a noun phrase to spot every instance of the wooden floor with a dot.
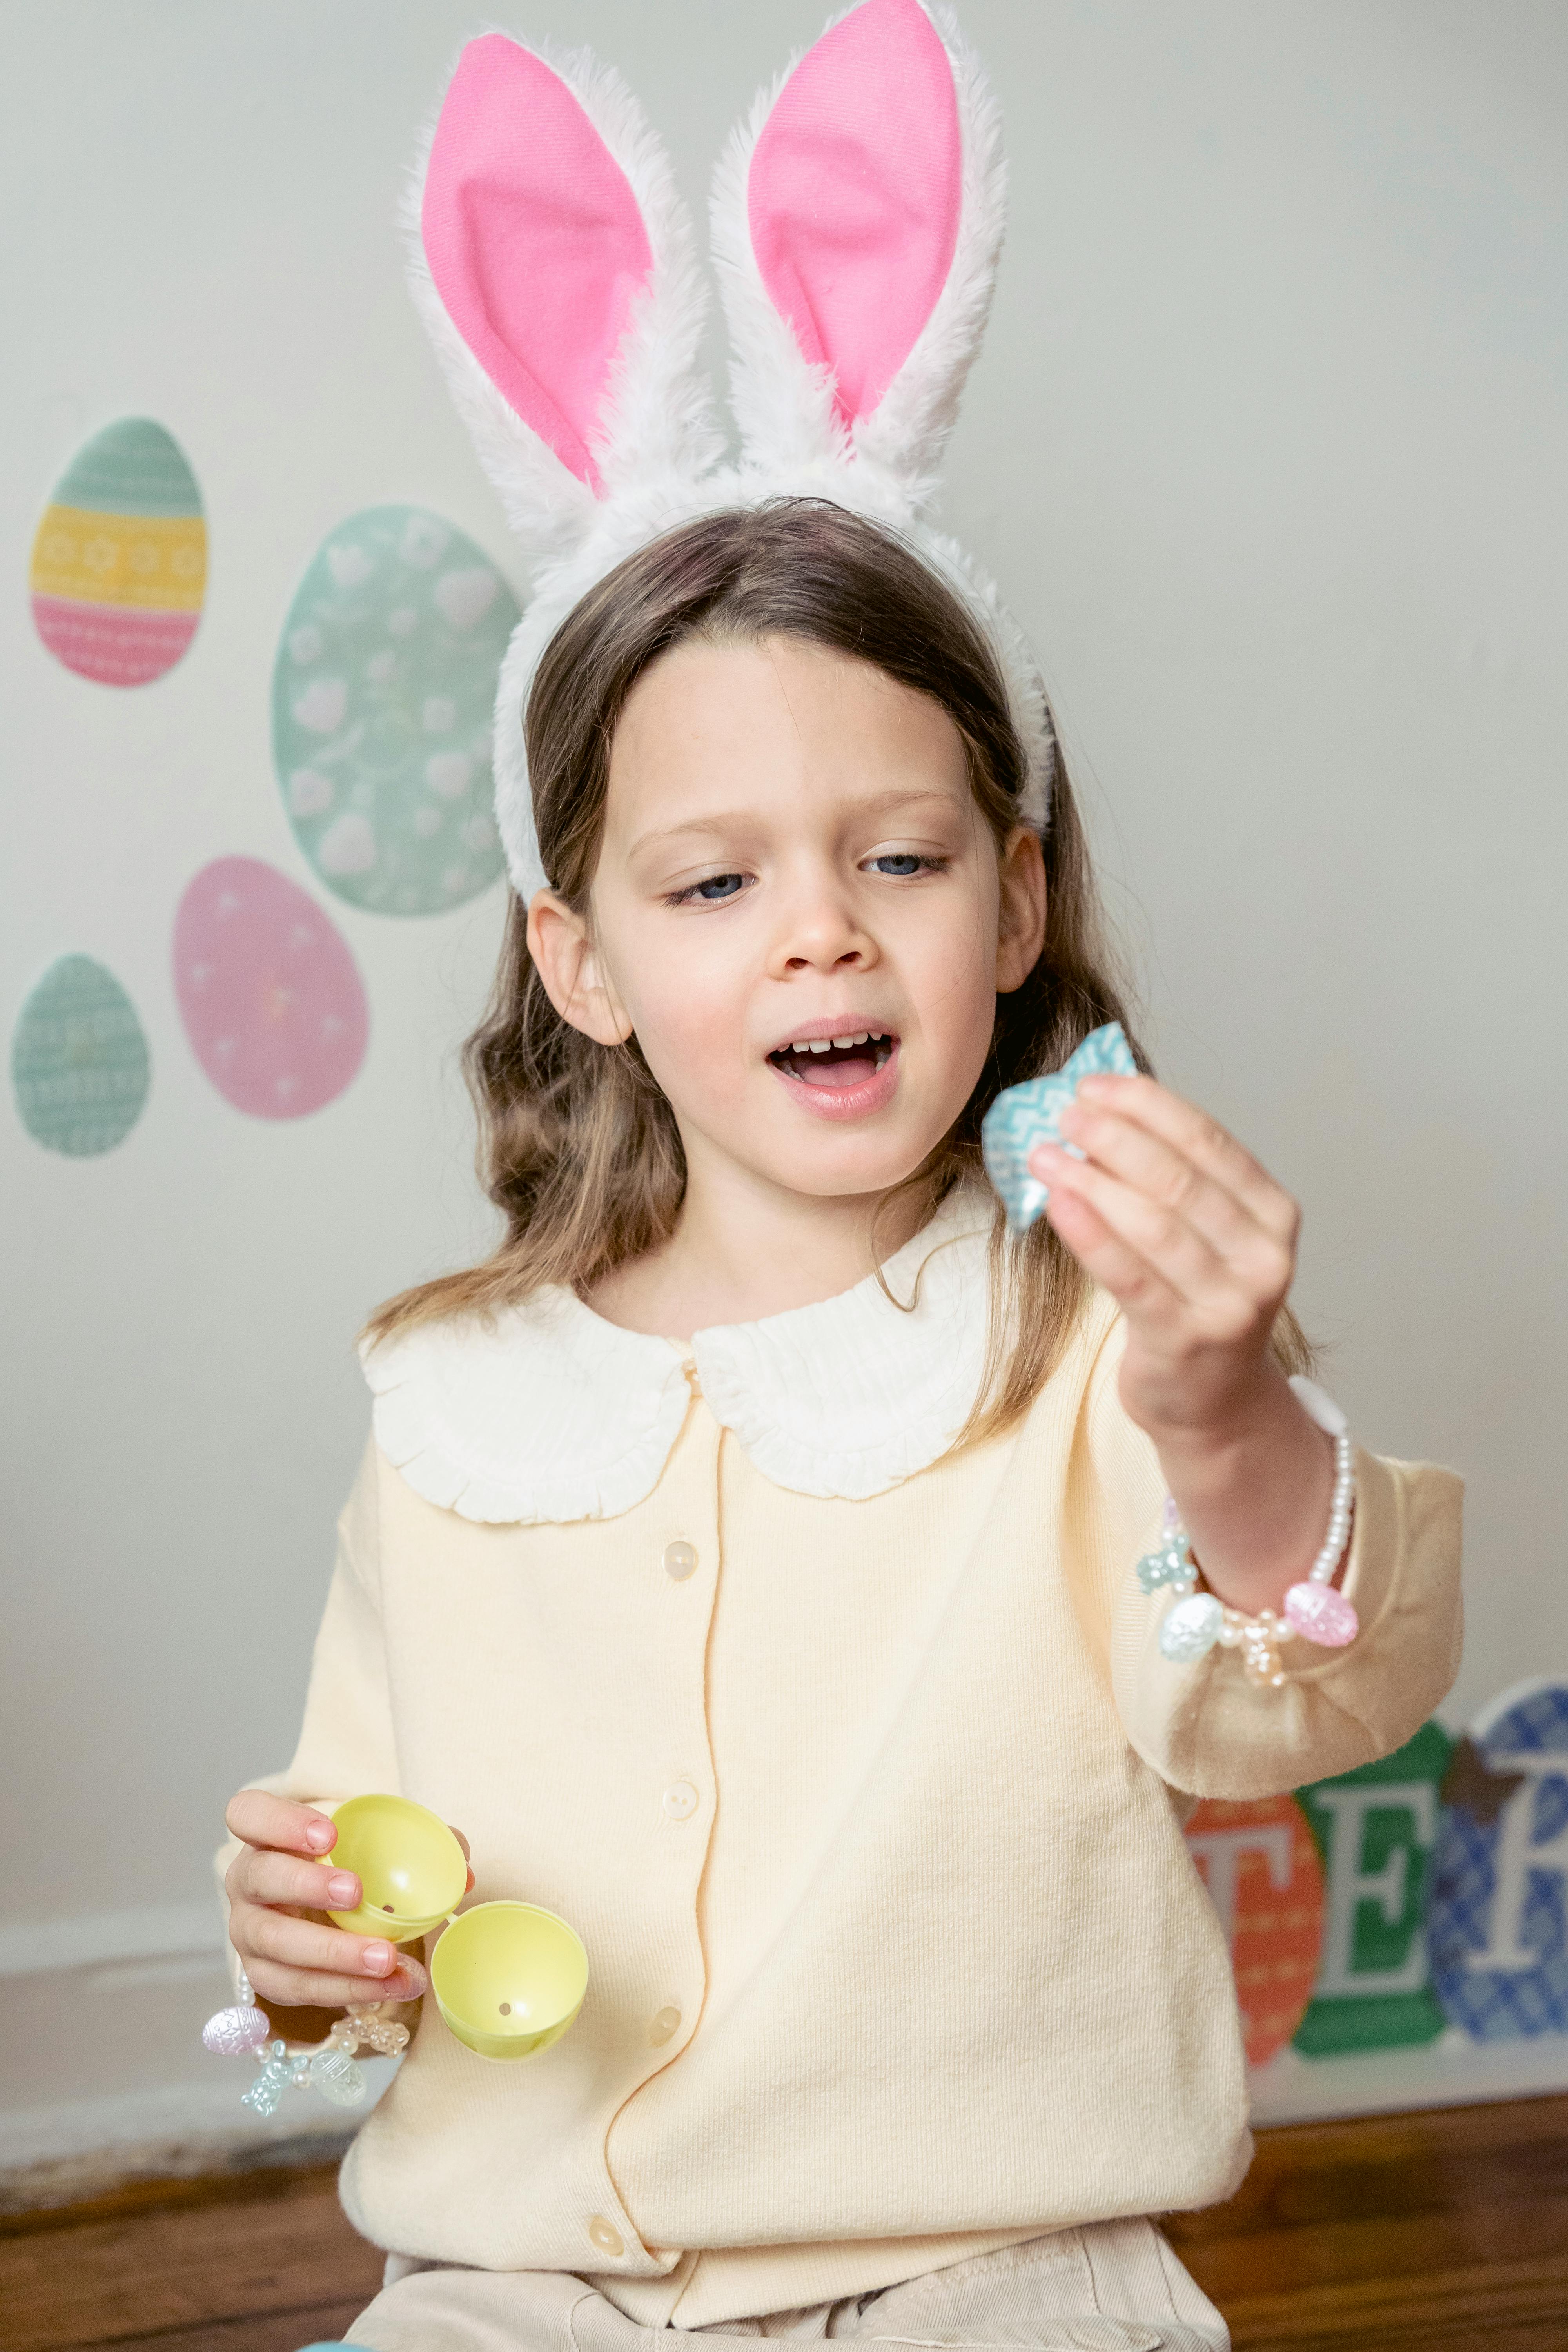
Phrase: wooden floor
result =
(1445, 2231)
(1440, 2233)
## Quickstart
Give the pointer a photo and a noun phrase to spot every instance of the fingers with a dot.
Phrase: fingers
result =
(1164, 1175)
(280, 1871)
(295, 1962)
(1192, 1274)
(258, 1876)
(1228, 1252)
(306, 1963)
(297, 1943)
(1107, 1258)
(263, 1819)
(1193, 1137)
(287, 1988)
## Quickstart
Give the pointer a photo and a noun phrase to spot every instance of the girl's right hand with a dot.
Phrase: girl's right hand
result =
(293, 1961)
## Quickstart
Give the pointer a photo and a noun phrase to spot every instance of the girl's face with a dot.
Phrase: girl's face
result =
(799, 911)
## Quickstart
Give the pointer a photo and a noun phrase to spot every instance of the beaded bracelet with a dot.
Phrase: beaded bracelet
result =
(1312, 1608)
(331, 2069)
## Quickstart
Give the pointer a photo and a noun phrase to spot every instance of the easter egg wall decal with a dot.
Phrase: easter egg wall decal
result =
(381, 697)
(119, 561)
(79, 1060)
(268, 992)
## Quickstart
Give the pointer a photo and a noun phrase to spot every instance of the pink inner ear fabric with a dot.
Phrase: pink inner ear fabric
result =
(535, 240)
(854, 193)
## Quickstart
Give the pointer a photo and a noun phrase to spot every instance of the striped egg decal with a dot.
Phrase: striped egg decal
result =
(269, 994)
(79, 1065)
(120, 560)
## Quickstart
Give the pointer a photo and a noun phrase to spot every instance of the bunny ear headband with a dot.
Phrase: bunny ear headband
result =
(857, 217)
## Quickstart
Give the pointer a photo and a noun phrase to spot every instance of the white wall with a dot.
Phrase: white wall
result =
(1267, 450)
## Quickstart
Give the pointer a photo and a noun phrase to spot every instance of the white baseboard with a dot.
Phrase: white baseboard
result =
(207, 2120)
(156, 1931)
(1452, 2071)
(103, 2018)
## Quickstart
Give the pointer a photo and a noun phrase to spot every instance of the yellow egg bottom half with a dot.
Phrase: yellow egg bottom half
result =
(157, 563)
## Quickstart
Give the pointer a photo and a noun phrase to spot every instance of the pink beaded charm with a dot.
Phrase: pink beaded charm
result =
(232, 2032)
(1321, 1614)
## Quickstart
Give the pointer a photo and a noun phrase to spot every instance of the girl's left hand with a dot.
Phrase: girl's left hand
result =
(1193, 1238)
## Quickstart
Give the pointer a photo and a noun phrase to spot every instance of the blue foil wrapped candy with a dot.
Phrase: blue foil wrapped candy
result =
(1022, 1117)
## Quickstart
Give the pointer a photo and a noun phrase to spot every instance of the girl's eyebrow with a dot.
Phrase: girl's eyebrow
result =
(725, 820)
(898, 796)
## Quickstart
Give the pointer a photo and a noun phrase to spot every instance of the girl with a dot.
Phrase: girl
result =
(744, 1554)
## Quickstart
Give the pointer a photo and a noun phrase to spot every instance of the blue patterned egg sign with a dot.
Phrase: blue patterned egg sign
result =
(381, 699)
(1498, 1926)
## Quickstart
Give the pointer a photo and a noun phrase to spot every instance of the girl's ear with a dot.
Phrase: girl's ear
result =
(553, 263)
(572, 968)
(857, 219)
(1021, 928)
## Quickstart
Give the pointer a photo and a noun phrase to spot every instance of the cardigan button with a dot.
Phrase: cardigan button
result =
(604, 2235)
(679, 1559)
(664, 2027)
(680, 1800)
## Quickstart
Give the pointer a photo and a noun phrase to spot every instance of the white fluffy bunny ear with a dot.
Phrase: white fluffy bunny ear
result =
(856, 219)
(554, 265)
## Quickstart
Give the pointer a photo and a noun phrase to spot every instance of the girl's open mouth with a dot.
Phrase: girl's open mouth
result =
(836, 1063)
(849, 1077)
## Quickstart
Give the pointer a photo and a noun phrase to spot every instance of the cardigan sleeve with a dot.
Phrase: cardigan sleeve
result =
(1205, 1727)
(346, 1746)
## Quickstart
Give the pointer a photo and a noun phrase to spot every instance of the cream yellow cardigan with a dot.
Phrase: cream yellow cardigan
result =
(855, 1766)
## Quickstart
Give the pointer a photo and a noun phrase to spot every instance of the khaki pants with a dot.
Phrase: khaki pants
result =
(1115, 2286)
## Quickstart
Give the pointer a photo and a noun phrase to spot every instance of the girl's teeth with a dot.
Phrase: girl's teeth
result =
(823, 1044)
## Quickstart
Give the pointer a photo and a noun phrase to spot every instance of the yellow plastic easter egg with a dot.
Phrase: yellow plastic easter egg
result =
(509, 1979)
(410, 1867)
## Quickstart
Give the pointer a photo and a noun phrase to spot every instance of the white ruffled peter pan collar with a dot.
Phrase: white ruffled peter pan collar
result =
(550, 1414)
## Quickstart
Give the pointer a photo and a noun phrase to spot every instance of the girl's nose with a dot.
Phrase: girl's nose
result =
(821, 931)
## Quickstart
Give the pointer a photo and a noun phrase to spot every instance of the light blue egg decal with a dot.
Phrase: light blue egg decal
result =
(381, 698)
(79, 1060)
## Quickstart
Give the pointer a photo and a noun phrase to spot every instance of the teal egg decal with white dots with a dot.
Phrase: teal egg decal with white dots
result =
(80, 1065)
(382, 702)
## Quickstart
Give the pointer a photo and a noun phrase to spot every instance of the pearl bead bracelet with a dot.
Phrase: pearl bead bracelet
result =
(1312, 1608)
(331, 2069)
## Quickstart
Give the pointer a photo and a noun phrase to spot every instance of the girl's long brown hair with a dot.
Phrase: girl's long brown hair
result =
(578, 1148)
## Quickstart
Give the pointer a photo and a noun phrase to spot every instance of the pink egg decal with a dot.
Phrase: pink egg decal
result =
(270, 997)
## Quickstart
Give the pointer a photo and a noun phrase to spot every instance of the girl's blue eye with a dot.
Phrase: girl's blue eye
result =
(900, 862)
(712, 889)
